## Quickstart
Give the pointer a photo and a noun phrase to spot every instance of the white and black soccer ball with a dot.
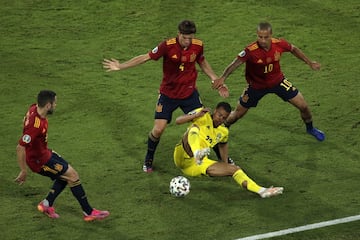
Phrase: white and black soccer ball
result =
(179, 186)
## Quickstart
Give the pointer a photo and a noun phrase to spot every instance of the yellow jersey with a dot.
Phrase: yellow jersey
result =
(209, 135)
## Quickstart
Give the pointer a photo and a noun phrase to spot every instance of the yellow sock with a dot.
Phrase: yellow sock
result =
(193, 139)
(240, 177)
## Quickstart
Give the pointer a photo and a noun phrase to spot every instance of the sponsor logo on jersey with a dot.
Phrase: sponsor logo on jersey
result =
(26, 138)
(155, 50)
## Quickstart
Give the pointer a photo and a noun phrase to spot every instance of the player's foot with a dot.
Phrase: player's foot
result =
(49, 211)
(96, 215)
(271, 192)
(147, 167)
(319, 135)
(230, 161)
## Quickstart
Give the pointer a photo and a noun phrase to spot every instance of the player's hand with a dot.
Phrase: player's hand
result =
(215, 84)
(111, 64)
(202, 112)
(200, 154)
(315, 65)
(223, 91)
(21, 178)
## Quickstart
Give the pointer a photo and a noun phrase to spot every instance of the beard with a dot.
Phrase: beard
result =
(50, 111)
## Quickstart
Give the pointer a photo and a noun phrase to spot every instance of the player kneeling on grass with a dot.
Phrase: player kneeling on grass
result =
(205, 132)
(32, 150)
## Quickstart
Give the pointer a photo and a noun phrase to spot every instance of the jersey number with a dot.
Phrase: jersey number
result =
(286, 84)
(269, 68)
(181, 67)
(209, 139)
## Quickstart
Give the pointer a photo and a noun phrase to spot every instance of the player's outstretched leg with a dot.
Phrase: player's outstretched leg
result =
(271, 192)
(243, 180)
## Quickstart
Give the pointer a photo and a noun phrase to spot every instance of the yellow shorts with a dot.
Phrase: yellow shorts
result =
(188, 164)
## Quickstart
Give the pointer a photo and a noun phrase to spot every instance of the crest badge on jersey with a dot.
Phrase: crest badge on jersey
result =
(26, 138)
(242, 53)
(155, 50)
(277, 56)
(192, 57)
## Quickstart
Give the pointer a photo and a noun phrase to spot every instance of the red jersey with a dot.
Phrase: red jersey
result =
(34, 139)
(179, 70)
(263, 67)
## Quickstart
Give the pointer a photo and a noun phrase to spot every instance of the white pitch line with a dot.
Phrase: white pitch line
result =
(302, 228)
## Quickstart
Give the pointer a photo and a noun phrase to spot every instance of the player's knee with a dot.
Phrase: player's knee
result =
(157, 131)
(232, 169)
(71, 175)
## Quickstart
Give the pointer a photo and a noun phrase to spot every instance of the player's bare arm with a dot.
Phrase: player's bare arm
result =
(189, 117)
(299, 54)
(206, 68)
(228, 70)
(114, 65)
(20, 152)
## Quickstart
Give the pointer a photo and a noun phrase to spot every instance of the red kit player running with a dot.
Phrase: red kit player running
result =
(32, 150)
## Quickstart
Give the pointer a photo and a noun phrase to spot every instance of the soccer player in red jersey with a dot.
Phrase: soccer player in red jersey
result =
(263, 75)
(32, 151)
(178, 87)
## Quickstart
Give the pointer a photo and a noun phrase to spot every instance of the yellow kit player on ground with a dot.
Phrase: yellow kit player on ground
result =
(207, 130)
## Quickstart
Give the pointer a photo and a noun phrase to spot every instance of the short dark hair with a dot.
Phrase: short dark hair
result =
(226, 106)
(264, 26)
(44, 97)
(187, 27)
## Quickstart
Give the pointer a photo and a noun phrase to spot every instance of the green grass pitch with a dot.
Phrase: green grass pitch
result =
(102, 119)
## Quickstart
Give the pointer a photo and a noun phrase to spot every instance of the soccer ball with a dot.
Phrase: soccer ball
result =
(179, 186)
